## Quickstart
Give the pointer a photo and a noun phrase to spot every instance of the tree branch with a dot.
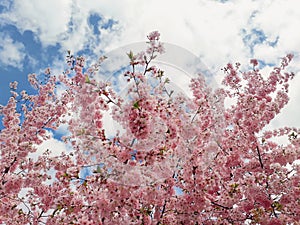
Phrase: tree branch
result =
(222, 206)
(259, 158)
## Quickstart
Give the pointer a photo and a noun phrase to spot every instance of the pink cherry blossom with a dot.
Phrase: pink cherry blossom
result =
(177, 159)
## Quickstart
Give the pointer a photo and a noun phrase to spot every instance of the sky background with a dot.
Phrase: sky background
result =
(35, 34)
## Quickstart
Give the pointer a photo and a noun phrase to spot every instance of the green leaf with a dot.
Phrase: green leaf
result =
(136, 105)
(87, 79)
(98, 170)
(84, 183)
(130, 55)
(59, 207)
(277, 205)
(160, 73)
(81, 132)
(234, 186)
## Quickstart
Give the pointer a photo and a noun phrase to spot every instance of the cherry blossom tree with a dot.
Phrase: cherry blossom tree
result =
(175, 159)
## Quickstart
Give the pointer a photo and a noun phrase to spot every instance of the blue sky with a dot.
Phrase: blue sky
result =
(35, 34)
(23, 52)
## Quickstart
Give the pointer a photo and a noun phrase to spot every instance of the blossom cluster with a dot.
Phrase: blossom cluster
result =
(176, 160)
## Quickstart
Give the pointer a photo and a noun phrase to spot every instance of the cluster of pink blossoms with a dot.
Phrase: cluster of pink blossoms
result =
(178, 160)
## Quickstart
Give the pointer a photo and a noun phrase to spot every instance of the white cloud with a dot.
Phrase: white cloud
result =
(267, 53)
(281, 19)
(47, 19)
(206, 28)
(56, 147)
(5, 3)
(209, 29)
(11, 52)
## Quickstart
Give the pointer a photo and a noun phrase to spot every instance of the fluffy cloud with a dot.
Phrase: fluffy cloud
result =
(210, 29)
(55, 146)
(11, 52)
(47, 19)
(216, 31)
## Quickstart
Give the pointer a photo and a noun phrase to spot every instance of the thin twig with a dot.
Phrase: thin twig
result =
(259, 157)
(222, 206)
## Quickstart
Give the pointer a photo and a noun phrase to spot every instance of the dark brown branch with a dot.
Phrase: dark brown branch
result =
(163, 209)
(222, 206)
(259, 158)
